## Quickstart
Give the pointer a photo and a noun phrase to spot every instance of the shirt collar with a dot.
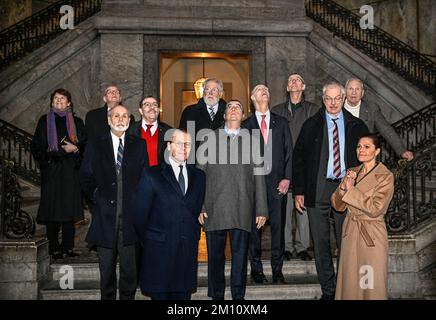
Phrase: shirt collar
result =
(115, 138)
(330, 117)
(348, 106)
(229, 132)
(144, 124)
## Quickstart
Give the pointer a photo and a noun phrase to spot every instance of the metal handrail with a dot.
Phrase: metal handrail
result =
(15, 147)
(376, 43)
(33, 32)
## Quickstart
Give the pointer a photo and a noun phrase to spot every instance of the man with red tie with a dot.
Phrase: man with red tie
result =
(277, 142)
(151, 129)
(325, 148)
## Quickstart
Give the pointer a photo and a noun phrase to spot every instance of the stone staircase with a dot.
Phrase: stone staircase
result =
(300, 275)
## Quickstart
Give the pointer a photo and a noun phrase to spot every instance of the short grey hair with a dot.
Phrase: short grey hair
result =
(355, 79)
(218, 81)
(333, 84)
(109, 112)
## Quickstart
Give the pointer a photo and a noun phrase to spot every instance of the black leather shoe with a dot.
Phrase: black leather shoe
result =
(258, 277)
(278, 278)
(303, 255)
(57, 255)
(288, 255)
(71, 253)
(327, 297)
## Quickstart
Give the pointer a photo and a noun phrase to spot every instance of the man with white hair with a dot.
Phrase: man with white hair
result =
(109, 174)
(325, 148)
(373, 117)
(209, 111)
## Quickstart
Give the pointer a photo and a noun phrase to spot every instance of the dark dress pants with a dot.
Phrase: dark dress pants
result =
(129, 270)
(319, 221)
(68, 231)
(277, 224)
(216, 245)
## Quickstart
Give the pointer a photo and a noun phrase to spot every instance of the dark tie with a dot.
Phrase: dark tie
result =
(148, 131)
(336, 151)
(120, 156)
(212, 113)
(181, 180)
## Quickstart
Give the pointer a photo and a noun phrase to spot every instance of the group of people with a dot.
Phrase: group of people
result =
(149, 201)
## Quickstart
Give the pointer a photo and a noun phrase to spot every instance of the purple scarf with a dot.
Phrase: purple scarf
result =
(52, 135)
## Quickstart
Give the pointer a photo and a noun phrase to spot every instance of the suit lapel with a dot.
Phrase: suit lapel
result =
(168, 174)
(160, 143)
(108, 150)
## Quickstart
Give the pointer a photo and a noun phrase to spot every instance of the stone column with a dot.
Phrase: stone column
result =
(23, 264)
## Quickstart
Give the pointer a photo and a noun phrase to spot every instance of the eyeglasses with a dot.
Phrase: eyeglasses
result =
(330, 100)
(290, 80)
(180, 145)
(113, 92)
(150, 104)
(211, 90)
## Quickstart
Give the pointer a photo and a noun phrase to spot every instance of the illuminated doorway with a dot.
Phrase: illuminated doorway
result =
(178, 73)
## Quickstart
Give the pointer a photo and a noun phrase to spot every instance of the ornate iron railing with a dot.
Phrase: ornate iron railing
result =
(376, 43)
(415, 188)
(417, 131)
(15, 223)
(38, 29)
(15, 147)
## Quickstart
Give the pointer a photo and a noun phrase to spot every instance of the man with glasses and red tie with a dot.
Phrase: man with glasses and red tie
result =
(325, 148)
(151, 129)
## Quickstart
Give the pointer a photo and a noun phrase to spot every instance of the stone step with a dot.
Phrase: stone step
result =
(90, 271)
(89, 290)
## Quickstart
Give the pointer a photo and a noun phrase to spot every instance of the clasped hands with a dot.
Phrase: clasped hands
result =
(348, 181)
(260, 220)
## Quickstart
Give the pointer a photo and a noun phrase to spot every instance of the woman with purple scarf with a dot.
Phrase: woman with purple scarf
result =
(58, 146)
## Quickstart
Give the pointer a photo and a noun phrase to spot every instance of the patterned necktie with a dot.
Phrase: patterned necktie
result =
(212, 113)
(120, 156)
(148, 131)
(181, 180)
(336, 151)
(263, 129)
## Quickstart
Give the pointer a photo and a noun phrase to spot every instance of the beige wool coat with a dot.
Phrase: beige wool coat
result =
(362, 273)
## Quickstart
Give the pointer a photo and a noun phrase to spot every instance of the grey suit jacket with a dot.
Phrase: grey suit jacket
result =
(233, 193)
(376, 122)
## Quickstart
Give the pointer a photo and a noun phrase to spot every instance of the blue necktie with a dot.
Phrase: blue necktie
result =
(120, 156)
(181, 180)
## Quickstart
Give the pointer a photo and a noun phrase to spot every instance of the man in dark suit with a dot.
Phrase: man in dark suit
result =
(277, 146)
(208, 113)
(325, 148)
(373, 117)
(151, 129)
(167, 205)
(96, 120)
(109, 174)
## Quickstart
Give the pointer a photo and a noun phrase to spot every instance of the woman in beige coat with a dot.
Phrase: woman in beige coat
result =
(365, 193)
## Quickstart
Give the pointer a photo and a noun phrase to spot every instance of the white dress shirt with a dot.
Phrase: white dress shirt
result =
(152, 129)
(259, 118)
(116, 143)
(176, 170)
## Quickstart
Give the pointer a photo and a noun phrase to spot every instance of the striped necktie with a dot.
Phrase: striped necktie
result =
(120, 156)
(336, 151)
(212, 113)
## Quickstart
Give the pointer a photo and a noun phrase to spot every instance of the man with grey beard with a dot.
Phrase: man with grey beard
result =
(109, 174)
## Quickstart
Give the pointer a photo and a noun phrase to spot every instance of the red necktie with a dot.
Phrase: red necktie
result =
(336, 151)
(264, 129)
(148, 131)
